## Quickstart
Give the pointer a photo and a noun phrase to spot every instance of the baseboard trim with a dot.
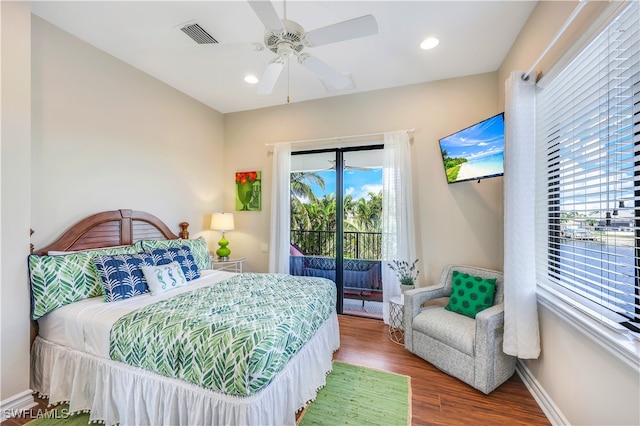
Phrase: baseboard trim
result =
(16, 405)
(549, 408)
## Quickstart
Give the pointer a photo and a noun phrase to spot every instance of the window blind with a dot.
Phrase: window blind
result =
(588, 175)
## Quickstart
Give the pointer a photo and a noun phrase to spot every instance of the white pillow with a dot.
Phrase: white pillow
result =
(164, 277)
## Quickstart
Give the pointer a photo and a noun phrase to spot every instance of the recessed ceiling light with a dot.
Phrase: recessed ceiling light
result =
(429, 43)
(251, 79)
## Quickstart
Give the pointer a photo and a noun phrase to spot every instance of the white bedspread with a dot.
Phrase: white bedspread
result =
(86, 325)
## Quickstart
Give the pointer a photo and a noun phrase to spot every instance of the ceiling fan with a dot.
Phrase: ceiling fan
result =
(346, 166)
(287, 38)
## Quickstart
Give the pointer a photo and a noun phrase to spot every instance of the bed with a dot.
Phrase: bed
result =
(222, 348)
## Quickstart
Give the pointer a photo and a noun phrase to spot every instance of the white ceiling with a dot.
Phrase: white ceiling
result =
(474, 38)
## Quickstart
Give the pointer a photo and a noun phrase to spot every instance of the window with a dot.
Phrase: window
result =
(588, 177)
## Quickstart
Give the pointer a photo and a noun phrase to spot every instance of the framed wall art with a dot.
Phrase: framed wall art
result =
(248, 191)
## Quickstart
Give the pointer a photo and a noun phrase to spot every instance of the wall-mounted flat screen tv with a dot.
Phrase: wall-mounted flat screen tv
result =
(476, 152)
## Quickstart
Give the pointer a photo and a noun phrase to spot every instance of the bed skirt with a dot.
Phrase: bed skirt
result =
(118, 393)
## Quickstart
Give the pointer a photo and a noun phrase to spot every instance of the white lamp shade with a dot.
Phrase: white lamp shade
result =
(222, 221)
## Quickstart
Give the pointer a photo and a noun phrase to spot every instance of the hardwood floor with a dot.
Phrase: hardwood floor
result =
(437, 399)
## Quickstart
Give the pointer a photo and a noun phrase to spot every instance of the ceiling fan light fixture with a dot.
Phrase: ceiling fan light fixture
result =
(285, 50)
(429, 43)
(251, 79)
(287, 38)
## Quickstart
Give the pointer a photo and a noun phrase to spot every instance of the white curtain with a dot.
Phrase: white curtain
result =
(521, 333)
(398, 228)
(280, 210)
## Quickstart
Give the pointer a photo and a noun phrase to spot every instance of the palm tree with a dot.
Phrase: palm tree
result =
(375, 208)
(313, 214)
(349, 207)
(328, 205)
(299, 215)
(362, 213)
(301, 189)
(301, 184)
(316, 216)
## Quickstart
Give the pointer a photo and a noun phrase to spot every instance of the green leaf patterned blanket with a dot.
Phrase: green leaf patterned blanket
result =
(232, 337)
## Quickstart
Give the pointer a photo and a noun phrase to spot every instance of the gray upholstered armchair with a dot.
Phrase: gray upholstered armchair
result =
(466, 348)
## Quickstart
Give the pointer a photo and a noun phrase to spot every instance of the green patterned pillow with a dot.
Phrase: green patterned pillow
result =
(469, 294)
(59, 280)
(199, 249)
(138, 246)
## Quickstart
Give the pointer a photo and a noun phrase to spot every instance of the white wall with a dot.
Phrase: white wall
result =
(108, 136)
(460, 222)
(585, 383)
(83, 132)
(14, 205)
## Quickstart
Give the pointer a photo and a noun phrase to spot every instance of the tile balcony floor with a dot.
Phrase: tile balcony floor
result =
(369, 309)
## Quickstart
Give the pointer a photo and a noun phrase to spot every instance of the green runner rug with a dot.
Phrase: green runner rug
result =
(357, 395)
(353, 395)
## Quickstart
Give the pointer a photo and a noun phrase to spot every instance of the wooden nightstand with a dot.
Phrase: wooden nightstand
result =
(231, 265)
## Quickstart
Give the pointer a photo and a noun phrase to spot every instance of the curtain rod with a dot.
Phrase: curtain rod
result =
(576, 11)
(337, 138)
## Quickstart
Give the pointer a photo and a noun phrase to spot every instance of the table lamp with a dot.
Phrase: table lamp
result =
(222, 222)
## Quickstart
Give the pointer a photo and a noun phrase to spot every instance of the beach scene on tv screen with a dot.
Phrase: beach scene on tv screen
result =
(475, 152)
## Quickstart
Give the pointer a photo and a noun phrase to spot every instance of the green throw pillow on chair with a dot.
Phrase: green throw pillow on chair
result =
(470, 295)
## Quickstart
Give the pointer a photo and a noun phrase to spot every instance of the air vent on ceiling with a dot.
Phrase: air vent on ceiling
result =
(198, 34)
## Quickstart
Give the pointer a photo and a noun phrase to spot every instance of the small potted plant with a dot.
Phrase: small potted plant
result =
(407, 274)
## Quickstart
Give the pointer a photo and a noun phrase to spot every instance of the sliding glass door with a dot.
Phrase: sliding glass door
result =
(336, 209)
(362, 232)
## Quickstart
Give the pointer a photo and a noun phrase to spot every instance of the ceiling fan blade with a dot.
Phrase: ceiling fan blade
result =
(270, 77)
(346, 30)
(267, 14)
(330, 75)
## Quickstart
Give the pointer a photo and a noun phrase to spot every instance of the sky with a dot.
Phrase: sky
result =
(480, 140)
(358, 183)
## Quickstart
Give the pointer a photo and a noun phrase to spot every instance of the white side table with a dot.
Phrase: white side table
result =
(230, 265)
(396, 319)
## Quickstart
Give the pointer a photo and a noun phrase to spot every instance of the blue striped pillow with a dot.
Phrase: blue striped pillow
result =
(182, 255)
(199, 249)
(122, 275)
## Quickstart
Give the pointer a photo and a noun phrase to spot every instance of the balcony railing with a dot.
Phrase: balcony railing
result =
(356, 245)
(362, 266)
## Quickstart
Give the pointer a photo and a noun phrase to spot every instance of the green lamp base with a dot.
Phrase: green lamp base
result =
(223, 252)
